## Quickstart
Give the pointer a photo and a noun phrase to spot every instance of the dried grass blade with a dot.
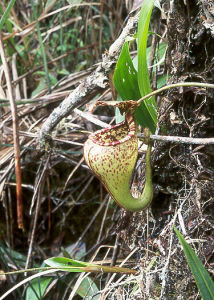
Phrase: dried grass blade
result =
(15, 137)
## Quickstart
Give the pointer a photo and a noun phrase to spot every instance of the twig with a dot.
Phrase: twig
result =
(91, 118)
(103, 221)
(165, 268)
(107, 287)
(161, 138)
(95, 82)
(39, 196)
(71, 174)
(180, 139)
(15, 138)
(92, 220)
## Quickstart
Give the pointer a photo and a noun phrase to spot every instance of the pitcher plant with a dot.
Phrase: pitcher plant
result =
(111, 154)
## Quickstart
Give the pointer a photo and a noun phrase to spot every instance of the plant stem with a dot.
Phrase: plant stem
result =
(180, 84)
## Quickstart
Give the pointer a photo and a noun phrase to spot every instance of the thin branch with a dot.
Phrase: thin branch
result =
(180, 139)
(161, 138)
(15, 137)
(89, 87)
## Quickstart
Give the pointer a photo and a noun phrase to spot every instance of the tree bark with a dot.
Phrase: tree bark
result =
(182, 174)
(187, 170)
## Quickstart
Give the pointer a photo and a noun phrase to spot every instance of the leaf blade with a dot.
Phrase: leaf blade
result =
(37, 288)
(71, 265)
(125, 76)
(6, 13)
(143, 75)
(202, 278)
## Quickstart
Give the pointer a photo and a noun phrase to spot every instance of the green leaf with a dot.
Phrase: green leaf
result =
(42, 47)
(126, 83)
(63, 72)
(125, 76)
(6, 13)
(37, 288)
(143, 27)
(7, 254)
(161, 81)
(159, 53)
(202, 278)
(62, 262)
(41, 86)
(49, 4)
(71, 265)
(88, 289)
(132, 85)
(148, 105)
(119, 117)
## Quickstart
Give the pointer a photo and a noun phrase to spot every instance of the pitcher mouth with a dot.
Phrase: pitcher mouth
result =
(116, 134)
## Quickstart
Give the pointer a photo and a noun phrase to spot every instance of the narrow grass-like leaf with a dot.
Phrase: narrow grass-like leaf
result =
(61, 36)
(143, 27)
(6, 13)
(202, 278)
(62, 262)
(71, 265)
(159, 53)
(41, 86)
(143, 75)
(42, 47)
